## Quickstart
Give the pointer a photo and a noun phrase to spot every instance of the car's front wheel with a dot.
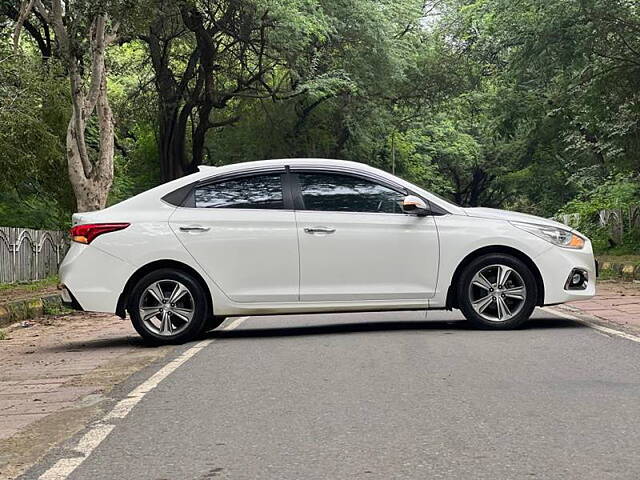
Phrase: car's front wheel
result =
(168, 306)
(497, 291)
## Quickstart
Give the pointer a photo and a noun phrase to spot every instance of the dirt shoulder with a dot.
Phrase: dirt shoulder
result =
(54, 376)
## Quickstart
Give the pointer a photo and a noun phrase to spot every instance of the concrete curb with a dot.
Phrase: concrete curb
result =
(20, 310)
(626, 271)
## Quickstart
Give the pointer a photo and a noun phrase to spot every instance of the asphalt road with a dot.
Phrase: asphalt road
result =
(385, 396)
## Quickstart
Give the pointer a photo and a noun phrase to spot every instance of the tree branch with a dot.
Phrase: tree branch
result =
(25, 11)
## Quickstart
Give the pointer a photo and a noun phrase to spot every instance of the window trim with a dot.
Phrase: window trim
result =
(184, 197)
(351, 172)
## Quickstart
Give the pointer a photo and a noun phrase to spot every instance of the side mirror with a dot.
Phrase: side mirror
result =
(415, 206)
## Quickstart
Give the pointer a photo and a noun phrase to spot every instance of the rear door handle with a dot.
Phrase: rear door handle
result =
(312, 230)
(195, 228)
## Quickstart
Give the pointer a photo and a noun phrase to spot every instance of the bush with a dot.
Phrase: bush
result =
(620, 191)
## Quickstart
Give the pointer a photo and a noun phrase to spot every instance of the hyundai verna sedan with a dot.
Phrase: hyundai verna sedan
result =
(310, 235)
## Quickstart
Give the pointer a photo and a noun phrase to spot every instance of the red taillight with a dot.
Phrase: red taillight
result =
(86, 233)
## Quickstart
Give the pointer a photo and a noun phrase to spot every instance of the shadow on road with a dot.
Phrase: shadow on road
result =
(448, 326)
(384, 326)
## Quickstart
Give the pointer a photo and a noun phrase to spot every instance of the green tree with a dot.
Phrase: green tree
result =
(33, 120)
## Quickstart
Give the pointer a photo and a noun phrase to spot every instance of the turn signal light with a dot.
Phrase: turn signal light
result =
(87, 233)
(576, 241)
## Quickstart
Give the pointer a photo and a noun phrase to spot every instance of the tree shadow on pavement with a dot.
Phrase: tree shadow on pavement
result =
(381, 326)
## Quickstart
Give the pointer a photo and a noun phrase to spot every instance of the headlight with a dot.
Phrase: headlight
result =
(555, 235)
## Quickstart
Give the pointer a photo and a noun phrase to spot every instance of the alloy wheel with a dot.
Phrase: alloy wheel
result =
(497, 293)
(166, 307)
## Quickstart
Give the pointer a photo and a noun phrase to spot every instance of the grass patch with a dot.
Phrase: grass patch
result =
(607, 275)
(3, 335)
(30, 286)
(55, 308)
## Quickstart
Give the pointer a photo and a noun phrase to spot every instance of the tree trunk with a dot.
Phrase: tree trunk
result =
(91, 178)
(171, 153)
(91, 188)
(228, 43)
(198, 137)
(173, 122)
(477, 187)
(172, 114)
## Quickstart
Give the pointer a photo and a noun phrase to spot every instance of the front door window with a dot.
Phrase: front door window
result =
(332, 192)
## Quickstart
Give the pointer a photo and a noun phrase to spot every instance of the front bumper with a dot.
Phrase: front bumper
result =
(556, 265)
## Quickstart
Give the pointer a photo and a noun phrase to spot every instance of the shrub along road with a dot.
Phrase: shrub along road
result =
(372, 396)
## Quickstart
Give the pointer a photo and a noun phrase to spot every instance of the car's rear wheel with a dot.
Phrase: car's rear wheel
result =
(497, 291)
(168, 306)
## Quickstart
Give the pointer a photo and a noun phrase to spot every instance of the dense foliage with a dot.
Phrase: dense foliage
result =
(527, 105)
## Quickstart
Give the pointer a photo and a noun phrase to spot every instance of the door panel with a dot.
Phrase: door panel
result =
(251, 255)
(356, 244)
(241, 235)
(368, 256)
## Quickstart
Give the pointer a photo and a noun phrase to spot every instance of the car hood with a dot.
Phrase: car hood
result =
(497, 214)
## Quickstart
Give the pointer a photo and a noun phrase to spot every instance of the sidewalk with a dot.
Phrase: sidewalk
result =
(616, 304)
(53, 377)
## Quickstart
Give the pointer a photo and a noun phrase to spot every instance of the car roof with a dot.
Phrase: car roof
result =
(294, 162)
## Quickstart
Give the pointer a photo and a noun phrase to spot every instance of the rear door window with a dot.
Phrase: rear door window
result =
(253, 192)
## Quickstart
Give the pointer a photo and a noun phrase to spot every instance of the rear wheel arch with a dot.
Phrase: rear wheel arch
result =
(150, 267)
(452, 298)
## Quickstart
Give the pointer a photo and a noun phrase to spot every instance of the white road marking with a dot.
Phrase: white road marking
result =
(103, 427)
(595, 326)
(235, 323)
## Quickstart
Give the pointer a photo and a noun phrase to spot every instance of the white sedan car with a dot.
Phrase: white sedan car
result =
(310, 235)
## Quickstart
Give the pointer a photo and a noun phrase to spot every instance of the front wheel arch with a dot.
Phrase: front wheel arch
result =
(123, 300)
(452, 297)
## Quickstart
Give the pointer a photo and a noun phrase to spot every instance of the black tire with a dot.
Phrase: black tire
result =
(486, 263)
(198, 302)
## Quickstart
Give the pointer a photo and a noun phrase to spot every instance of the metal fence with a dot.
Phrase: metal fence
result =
(27, 255)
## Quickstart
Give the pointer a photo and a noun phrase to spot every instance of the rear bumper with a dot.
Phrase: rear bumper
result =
(556, 264)
(68, 300)
(92, 278)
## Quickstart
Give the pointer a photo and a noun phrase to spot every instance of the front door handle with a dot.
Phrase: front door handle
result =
(312, 230)
(195, 228)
